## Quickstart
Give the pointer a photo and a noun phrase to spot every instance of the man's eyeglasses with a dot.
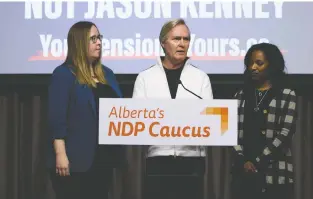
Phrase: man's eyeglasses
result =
(95, 38)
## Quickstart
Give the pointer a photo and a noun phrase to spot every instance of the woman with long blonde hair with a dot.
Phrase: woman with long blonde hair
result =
(79, 167)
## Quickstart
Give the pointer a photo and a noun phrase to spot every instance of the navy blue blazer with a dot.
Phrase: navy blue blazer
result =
(72, 117)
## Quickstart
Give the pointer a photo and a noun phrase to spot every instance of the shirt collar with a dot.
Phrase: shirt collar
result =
(160, 64)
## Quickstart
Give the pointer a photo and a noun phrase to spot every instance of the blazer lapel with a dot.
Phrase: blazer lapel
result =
(91, 100)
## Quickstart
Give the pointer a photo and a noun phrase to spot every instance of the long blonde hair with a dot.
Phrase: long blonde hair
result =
(77, 56)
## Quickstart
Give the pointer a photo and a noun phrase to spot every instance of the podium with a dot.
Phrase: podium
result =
(185, 182)
(196, 190)
(186, 122)
(190, 122)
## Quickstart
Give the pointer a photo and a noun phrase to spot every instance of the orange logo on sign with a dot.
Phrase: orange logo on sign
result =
(223, 112)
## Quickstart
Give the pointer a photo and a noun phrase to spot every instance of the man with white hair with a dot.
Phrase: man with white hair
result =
(173, 77)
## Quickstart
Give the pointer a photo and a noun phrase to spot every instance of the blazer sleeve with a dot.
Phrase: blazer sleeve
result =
(207, 92)
(139, 87)
(58, 100)
(237, 150)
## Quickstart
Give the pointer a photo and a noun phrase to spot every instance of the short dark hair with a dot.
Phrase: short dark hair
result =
(275, 58)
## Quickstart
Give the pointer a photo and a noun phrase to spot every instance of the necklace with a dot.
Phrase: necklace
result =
(256, 109)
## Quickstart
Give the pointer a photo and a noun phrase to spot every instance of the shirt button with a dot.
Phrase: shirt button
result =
(263, 132)
(263, 190)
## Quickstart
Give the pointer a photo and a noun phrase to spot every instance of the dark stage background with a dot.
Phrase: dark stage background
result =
(23, 112)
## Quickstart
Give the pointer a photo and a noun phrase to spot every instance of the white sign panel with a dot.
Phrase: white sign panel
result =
(168, 122)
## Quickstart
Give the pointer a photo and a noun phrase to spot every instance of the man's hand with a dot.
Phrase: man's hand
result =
(249, 166)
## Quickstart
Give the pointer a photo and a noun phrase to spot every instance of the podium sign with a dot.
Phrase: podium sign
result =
(168, 122)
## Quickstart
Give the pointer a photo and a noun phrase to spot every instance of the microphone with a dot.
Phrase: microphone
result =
(180, 82)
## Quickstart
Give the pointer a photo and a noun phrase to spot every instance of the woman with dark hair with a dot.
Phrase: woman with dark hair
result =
(79, 167)
(262, 166)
